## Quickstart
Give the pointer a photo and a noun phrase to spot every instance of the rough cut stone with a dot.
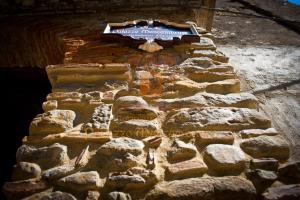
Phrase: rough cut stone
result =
(204, 44)
(126, 181)
(181, 151)
(46, 157)
(213, 119)
(202, 99)
(118, 196)
(214, 55)
(266, 146)
(136, 128)
(261, 179)
(20, 189)
(224, 158)
(204, 64)
(290, 172)
(284, 192)
(233, 188)
(153, 141)
(129, 101)
(223, 87)
(49, 105)
(57, 195)
(26, 170)
(57, 172)
(121, 145)
(213, 137)
(186, 169)
(52, 122)
(264, 163)
(81, 181)
(136, 112)
(258, 132)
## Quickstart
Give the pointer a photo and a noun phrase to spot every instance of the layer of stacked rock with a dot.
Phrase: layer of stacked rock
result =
(113, 131)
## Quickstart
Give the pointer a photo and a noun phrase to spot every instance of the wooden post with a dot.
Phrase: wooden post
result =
(205, 15)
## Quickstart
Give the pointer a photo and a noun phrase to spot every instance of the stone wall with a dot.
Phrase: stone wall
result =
(150, 130)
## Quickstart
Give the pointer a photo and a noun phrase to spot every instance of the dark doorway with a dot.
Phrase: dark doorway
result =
(23, 89)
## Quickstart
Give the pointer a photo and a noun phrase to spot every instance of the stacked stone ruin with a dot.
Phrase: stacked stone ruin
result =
(149, 131)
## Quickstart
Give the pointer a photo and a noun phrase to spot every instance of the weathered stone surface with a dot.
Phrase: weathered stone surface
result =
(202, 99)
(181, 151)
(213, 137)
(136, 128)
(93, 195)
(284, 192)
(206, 76)
(100, 120)
(136, 112)
(121, 145)
(51, 196)
(261, 179)
(46, 157)
(266, 146)
(126, 181)
(204, 44)
(223, 87)
(214, 55)
(258, 132)
(233, 188)
(26, 170)
(20, 189)
(134, 178)
(81, 181)
(118, 196)
(224, 158)
(123, 162)
(204, 64)
(57, 172)
(264, 163)
(51, 122)
(213, 119)
(186, 169)
(152, 141)
(290, 172)
(129, 101)
(49, 105)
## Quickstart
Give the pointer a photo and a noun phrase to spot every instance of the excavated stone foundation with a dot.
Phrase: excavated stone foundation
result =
(134, 125)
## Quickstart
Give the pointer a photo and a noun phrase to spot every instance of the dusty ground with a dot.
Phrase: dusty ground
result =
(267, 58)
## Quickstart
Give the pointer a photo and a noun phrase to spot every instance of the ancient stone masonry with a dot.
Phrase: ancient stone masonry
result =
(178, 129)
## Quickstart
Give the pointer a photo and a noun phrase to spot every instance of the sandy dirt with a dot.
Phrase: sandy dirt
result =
(273, 75)
(266, 56)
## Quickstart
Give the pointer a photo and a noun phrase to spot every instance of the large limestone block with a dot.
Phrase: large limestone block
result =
(266, 147)
(225, 159)
(52, 122)
(204, 44)
(135, 128)
(57, 172)
(206, 76)
(124, 181)
(203, 99)
(258, 132)
(231, 187)
(46, 157)
(223, 87)
(213, 119)
(81, 181)
(136, 112)
(120, 146)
